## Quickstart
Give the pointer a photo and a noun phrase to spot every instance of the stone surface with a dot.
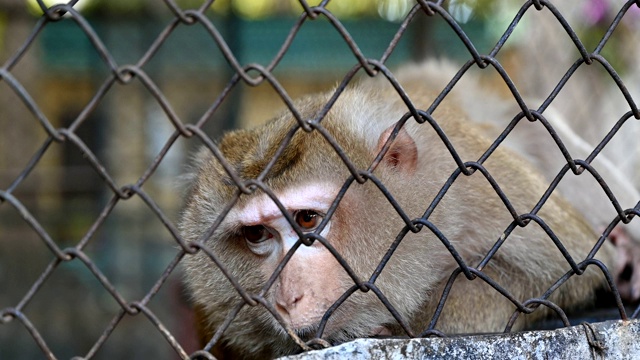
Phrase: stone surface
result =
(605, 340)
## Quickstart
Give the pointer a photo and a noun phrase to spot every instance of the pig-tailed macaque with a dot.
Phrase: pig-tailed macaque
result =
(254, 237)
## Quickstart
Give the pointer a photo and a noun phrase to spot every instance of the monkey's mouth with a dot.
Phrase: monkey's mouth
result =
(311, 332)
(307, 333)
(380, 331)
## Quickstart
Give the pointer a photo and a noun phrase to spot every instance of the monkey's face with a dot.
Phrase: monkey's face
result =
(257, 236)
(310, 281)
(258, 240)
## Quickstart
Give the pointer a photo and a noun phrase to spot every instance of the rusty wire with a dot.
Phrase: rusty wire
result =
(125, 74)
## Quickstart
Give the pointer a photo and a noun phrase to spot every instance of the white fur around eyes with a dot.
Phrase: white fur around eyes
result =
(263, 210)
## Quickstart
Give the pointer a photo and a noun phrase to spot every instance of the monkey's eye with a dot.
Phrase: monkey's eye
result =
(256, 234)
(307, 219)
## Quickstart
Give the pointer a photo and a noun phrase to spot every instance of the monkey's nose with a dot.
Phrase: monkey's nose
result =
(286, 303)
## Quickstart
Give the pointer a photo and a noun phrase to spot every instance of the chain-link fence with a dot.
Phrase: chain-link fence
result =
(104, 236)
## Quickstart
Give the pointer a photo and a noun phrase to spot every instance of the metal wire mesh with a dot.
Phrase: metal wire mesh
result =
(255, 74)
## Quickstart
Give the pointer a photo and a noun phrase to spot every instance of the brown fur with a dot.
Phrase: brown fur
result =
(470, 215)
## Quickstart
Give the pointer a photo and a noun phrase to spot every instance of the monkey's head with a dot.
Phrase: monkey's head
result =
(257, 233)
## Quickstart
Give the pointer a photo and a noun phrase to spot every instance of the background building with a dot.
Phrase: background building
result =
(126, 128)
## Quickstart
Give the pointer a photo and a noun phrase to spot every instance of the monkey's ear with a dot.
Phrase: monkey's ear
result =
(403, 152)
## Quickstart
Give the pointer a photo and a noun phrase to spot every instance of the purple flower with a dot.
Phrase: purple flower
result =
(596, 11)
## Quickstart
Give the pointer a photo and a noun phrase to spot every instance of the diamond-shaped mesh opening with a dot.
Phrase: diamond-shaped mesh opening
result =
(100, 110)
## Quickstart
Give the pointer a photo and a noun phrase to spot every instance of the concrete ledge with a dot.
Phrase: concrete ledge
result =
(605, 340)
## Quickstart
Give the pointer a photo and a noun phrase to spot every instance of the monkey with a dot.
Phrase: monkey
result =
(396, 209)
(533, 142)
(584, 193)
